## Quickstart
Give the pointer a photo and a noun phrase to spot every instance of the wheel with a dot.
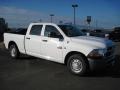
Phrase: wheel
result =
(77, 65)
(14, 52)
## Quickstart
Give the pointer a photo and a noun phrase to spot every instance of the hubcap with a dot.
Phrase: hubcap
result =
(76, 65)
(13, 52)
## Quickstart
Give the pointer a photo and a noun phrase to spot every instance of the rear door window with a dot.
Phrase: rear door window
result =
(36, 30)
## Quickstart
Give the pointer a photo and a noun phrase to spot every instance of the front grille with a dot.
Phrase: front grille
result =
(110, 51)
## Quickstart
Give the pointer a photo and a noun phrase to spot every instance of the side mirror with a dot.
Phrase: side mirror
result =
(61, 38)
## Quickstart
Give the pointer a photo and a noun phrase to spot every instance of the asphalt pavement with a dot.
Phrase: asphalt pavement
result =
(29, 73)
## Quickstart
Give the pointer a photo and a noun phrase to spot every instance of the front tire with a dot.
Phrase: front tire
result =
(77, 65)
(14, 52)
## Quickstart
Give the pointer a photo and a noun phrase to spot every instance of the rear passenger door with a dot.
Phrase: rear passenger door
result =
(33, 42)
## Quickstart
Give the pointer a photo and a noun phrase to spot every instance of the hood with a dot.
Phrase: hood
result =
(93, 41)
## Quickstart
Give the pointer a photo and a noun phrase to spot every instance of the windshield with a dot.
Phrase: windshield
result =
(71, 31)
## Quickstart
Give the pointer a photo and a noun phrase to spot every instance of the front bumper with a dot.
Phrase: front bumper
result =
(101, 63)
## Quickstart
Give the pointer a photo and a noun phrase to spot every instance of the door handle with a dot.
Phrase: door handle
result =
(44, 40)
(27, 38)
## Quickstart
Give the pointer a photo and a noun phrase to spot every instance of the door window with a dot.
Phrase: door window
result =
(36, 30)
(51, 31)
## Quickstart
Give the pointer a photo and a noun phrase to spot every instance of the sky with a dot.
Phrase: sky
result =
(19, 13)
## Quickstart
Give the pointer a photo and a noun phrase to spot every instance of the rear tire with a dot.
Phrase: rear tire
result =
(14, 52)
(77, 65)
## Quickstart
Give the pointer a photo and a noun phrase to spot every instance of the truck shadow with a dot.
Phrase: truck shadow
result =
(113, 72)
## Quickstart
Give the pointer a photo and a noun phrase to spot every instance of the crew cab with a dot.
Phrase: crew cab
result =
(63, 44)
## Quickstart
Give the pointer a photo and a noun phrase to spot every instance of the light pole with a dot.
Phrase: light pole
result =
(51, 17)
(96, 22)
(74, 6)
(88, 21)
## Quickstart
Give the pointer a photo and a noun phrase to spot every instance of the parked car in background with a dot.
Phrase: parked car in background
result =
(115, 34)
(97, 33)
(85, 31)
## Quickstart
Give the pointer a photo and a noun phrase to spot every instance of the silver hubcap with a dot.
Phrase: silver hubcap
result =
(76, 65)
(13, 52)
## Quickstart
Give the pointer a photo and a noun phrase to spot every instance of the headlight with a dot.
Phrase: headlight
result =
(97, 53)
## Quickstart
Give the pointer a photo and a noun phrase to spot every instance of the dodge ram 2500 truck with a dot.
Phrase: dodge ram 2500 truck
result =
(64, 44)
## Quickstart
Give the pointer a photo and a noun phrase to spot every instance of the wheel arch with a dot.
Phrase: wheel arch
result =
(11, 43)
(75, 52)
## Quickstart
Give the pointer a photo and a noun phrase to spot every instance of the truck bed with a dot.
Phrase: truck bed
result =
(17, 38)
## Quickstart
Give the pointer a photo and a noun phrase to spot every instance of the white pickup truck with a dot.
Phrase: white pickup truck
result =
(64, 44)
